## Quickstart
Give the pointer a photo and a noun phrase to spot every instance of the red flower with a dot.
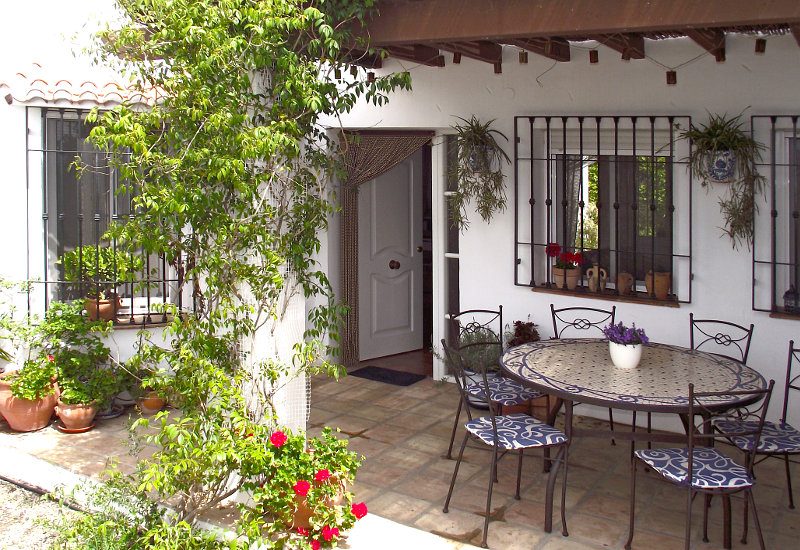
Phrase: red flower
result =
(359, 509)
(322, 475)
(51, 358)
(301, 488)
(329, 533)
(278, 439)
(577, 258)
(302, 531)
(552, 250)
(315, 545)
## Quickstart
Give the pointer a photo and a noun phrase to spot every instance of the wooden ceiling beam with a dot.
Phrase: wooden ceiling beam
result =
(437, 21)
(711, 40)
(630, 46)
(552, 48)
(481, 50)
(796, 33)
(418, 53)
(365, 59)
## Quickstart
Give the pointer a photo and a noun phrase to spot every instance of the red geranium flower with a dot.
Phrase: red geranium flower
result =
(301, 488)
(302, 531)
(577, 258)
(552, 250)
(329, 533)
(51, 358)
(322, 475)
(359, 509)
(315, 545)
(278, 438)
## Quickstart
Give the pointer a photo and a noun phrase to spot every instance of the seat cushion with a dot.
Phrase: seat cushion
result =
(516, 431)
(712, 470)
(776, 437)
(505, 391)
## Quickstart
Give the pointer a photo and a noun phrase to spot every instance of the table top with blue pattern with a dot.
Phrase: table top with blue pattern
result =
(581, 370)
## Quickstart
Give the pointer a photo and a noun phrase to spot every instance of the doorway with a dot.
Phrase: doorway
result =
(395, 267)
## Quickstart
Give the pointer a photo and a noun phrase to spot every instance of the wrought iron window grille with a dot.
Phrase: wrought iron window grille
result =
(614, 188)
(67, 212)
(776, 215)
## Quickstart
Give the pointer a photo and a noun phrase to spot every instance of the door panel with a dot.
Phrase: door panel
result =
(390, 267)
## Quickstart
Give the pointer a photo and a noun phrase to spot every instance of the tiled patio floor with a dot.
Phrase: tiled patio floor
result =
(403, 433)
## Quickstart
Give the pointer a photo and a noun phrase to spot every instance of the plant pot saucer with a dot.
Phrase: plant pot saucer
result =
(112, 412)
(63, 429)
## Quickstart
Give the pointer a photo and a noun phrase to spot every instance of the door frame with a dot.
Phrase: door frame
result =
(349, 255)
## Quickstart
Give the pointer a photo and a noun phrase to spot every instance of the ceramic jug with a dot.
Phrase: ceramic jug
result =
(624, 284)
(597, 278)
(660, 287)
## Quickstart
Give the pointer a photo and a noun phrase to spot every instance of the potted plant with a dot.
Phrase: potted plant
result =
(625, 344)
(28, 395)
(98, 271)
(87, 384)
(722, 152)
(566, 266)
(523, 333)
(478, 171)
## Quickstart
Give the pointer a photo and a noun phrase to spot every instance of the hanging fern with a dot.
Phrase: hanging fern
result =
(478, 171)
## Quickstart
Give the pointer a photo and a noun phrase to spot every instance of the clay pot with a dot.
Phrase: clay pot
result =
(301, 517)
(102, 309)
(151, 403)
(573, 277)
(76, 417)
(625, 284)
(559, 277)
(25, 415)
(661, 287)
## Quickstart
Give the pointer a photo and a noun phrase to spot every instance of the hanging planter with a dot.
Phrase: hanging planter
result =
(722, 152)
(478, 172)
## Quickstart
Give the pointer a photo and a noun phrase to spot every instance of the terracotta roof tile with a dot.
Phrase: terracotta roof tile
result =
(32, 87)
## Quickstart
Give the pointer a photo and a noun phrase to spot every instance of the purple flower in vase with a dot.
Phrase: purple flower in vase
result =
(620, 334)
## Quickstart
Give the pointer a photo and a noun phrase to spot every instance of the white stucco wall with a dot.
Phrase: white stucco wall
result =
(767, 84)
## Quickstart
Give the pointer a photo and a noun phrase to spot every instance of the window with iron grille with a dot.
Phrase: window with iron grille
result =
(776, 232)
(75, 213)
(615, 189)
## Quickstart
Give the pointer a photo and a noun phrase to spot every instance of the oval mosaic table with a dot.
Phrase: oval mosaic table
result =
(581, 370)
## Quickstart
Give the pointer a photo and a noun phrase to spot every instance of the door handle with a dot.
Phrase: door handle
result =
(419, 249)
(394, 264)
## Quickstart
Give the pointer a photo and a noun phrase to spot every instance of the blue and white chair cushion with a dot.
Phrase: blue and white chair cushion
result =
(711, 470)
(776, 438)
(505, 391)
(515, 431)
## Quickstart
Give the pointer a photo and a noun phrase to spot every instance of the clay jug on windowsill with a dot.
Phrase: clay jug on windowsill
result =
(662, 284)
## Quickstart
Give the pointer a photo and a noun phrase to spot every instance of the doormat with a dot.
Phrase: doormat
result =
(388, 376)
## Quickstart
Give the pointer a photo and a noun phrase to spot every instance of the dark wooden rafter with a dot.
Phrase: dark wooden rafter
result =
(711, 40)
(365, 59)
(629, 45)
(418, 53)
(481, 50)
(553, 48)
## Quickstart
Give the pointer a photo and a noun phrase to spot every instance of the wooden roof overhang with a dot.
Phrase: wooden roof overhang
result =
(420, 30)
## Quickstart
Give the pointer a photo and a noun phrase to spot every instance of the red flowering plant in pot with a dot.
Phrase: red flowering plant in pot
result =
(300, 487)
(566, 266)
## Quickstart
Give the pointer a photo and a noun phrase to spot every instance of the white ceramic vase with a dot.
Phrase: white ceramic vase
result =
(625, 356)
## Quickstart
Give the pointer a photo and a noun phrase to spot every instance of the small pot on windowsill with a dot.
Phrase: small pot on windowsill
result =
(102, 307)
(573, 277)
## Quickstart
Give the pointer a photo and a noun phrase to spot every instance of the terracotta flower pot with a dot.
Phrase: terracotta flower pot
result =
(662, 284)
(102, 309)
(151, 403)
(301, 517)
(559, 277)
(25, 415)
(76, 417)
(573, 277)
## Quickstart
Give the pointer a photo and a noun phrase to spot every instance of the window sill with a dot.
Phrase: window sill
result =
(784, 315)
(139, 321)
(610, 295)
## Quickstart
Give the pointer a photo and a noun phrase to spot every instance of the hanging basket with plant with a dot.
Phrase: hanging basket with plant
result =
(478, 171)
(722, 152)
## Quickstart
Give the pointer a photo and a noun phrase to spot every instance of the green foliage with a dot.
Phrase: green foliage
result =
(34, 380)
(99, 269)
(84, 380)
(739, 205)
(478, 171)
(228, 176)
(480, 348)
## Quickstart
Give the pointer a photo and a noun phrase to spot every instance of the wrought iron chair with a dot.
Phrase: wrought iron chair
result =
(721, 337)
(699, 467)
(777, 439)
(502, 434)
(580, 319)
(481, 346)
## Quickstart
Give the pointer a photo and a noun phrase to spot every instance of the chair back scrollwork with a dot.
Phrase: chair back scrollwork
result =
(721, 337)
(585, 322)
